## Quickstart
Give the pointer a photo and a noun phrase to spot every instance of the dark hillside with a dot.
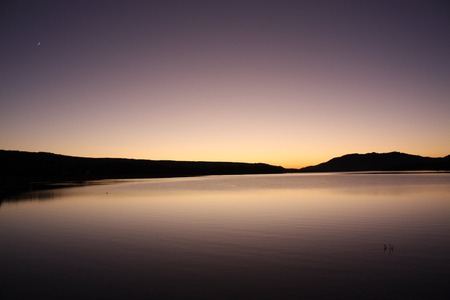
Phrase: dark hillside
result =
(20, 169)
(393, 161)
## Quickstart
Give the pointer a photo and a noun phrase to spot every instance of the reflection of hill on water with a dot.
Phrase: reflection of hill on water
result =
(43, 191)
(40, 192)
(39, 195)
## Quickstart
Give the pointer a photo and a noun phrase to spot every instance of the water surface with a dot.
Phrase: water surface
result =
(314, 236)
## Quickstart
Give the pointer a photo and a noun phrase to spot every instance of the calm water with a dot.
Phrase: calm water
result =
(231, 237)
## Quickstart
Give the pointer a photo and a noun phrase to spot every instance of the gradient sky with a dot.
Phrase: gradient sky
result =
(289, 83)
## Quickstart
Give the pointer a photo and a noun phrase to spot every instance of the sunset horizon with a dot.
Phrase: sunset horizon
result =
(289, 83)
(224, 149)
(230, 161)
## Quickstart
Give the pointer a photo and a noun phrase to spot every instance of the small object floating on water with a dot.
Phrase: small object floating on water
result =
(390, 247)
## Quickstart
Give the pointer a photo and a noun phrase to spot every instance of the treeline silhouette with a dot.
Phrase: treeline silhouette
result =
(393, 161)
(20, 170)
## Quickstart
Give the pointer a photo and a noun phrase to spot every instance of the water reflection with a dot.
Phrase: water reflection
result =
(40, 195)
(233, 237)
(47, 191)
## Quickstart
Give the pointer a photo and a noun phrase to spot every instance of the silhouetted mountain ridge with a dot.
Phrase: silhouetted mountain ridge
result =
(24, 170)
(393, 161)
(19, 169)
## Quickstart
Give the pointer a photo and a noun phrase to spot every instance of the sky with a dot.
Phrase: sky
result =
(290, 83)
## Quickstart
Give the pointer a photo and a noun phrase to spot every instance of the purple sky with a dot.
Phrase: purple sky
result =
(291, 83)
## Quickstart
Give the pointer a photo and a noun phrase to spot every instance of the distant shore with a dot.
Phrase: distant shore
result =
(31, 171)
(28, 171)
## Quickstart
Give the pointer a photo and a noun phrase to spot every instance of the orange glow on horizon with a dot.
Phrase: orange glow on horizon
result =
(226, 84)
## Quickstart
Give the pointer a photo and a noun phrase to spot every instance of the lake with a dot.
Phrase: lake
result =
(290, 236)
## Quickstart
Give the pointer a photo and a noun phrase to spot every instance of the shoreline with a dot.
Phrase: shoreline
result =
(12, 190)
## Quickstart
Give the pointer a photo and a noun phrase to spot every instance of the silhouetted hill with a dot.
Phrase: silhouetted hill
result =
(24, 170)
(19, 169)
(393, 161)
